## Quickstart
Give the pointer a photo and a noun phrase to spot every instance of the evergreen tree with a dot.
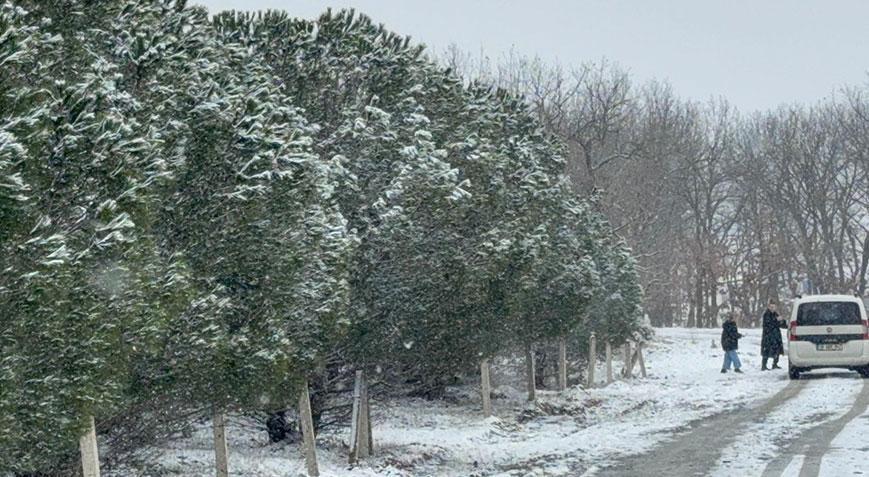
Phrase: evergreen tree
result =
(456, 195)
(77, 293)
(176, 238)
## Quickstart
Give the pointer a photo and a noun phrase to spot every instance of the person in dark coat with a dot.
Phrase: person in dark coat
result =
(730, 343)
(770, 343)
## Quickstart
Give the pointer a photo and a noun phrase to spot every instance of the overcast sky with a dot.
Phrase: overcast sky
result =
(755, 53)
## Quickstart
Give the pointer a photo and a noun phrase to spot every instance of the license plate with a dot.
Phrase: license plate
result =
(829, 346)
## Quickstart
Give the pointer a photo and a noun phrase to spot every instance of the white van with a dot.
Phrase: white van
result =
(828, 331)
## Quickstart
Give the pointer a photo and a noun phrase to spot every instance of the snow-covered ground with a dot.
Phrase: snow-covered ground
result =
(849, 452)
(820, 401)
(571, 433)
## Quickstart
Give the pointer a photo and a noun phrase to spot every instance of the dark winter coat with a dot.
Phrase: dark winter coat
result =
(730, 336)
(770, 343)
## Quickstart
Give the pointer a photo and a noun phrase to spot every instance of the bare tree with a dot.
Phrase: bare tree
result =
(720, 210)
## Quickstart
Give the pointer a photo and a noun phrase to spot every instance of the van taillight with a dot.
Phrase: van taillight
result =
(792, 336)
(866, 329)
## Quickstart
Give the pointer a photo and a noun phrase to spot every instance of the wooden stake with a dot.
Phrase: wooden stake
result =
(361, 442)
(486, 388)
(355, 418)
(628, 361)
(366, 413)
(221, 454)
(90, 457)
(364, 422)
(592, 358)
(642, 361)
(309, 441)
(609, 362)
(562, 364)
(530, 371)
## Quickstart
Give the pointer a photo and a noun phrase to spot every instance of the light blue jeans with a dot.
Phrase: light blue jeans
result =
(731, 357)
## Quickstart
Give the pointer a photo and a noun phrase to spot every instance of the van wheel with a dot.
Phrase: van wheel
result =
(794, 372)
(864, 371)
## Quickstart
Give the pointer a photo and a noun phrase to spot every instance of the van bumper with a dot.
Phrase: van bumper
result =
(805, 354)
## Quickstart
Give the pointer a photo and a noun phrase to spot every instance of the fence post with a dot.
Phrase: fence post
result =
(562, 364)
(642, 361)
(628, 361)
(364, 422)
(355, 418)
(609, 362)
(592, 357)
(221, 457)
(486, 388)
(90, 457)
(530, 371)
(309, 441)
(366, 413)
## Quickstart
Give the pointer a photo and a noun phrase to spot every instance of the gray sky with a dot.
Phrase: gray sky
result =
(755, 53)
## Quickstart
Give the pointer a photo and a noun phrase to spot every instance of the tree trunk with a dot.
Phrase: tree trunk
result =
(698, 299)
(692, 313)
(864, 263)
(713, 299)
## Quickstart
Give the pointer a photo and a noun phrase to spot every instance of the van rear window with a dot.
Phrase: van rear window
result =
(828, 313)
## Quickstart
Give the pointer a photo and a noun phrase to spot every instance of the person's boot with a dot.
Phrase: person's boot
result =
(763, 365)
(775, 363)
(723, 371)
(737, 370)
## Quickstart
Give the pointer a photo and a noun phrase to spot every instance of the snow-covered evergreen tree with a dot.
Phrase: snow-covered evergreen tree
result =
(457, 197)
(77, 288)
(177, 236)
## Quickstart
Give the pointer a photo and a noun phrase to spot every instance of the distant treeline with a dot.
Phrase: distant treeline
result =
(723, 210)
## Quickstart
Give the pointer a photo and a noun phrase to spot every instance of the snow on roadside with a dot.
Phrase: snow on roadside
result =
(568, 433)
(818, 401)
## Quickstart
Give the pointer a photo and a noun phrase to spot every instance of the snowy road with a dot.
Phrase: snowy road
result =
(812, 427)
(697, 451)
(814, 453)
